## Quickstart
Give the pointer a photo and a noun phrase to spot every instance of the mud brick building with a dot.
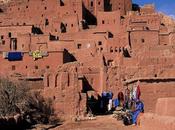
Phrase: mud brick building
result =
(73, 49)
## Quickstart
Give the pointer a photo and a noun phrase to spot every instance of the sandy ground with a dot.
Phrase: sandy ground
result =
(101, 123)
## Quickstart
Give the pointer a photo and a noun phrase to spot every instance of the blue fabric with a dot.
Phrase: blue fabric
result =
(116, 102)
(139, 108)
(15, 56)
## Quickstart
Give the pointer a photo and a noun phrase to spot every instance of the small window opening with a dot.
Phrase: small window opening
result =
(103, 22)
(46, 22)
(36, 67)
(99, 43)
(79, 46)
(92, 4)
(47, 67)
(10, 34)
(143, 40)
(61, 2)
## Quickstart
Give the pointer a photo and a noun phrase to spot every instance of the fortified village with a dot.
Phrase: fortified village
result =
(72, 50)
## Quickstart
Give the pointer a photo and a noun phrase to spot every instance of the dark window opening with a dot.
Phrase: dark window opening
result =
(143, 40)
(36, 30)
(103, 22)
(26, 67)
(120, 50)
(99, 3)
(46, 22)
(10, 34)
(110, 62)
(155, 75)
(63, 28)
(79, 46)
(53, 38)
(2, 37)
(45, 8)
(110, 35)
(99, 43)
(3, 42)
(36, 67)
(61, 2)
(111, 50)
(72, 25)
(47, 67)
(27, 7)
(126, 53)
(13, 43)
(92, 4)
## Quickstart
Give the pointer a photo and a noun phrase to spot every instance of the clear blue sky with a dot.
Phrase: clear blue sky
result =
(166, 6)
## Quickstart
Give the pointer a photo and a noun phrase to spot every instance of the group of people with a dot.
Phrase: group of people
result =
(127, 101)
(130, 102)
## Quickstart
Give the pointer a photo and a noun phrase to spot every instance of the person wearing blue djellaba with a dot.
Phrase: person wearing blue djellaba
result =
(139, 108)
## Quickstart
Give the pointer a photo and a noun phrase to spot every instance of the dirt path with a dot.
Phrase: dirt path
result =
(101, 123)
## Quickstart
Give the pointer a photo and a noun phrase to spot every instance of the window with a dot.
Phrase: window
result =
(99, 43)
(79, 46)
(72, 25)
(36, 67)
(61, 2)
(47, 67)
(92, 4)
(45, 8)
(27, 7)
(10, 34)
(13, 67)
(103, 22)
(2, 37)
(143, 40)
(46, 22)
(99, 3)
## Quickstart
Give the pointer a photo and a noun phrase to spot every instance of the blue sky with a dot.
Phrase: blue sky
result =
(165, 6)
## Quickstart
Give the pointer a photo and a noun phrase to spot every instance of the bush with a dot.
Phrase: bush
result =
(18, 98)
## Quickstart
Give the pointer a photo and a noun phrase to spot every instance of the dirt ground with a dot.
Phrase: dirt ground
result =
(101, 123)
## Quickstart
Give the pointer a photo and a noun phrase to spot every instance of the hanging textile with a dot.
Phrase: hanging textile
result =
(15, 56)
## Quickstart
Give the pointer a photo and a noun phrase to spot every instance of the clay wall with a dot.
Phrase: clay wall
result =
(147, 9)
(143, 38)
(30, 67)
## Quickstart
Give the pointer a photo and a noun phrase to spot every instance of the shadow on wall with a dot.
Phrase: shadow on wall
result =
(67, 57)
(36, 30)
(89, 17)
(93, 101)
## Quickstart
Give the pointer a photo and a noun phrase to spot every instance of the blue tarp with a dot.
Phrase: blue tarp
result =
(15, 56)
